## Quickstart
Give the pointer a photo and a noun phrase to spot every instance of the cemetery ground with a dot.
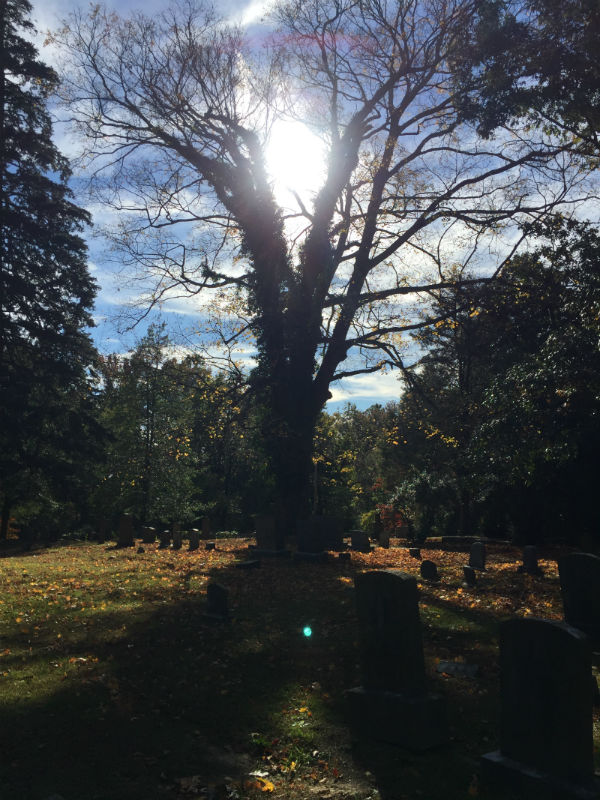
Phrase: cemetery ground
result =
(114, 684)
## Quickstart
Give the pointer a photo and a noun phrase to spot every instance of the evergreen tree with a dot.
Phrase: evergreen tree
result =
(46, 292)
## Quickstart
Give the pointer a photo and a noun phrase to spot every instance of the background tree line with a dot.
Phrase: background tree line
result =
(495, 429)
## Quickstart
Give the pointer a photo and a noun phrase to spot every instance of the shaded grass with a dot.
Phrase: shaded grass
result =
(114, 684)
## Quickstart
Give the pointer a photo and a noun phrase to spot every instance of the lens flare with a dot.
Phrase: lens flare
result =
(307, 631)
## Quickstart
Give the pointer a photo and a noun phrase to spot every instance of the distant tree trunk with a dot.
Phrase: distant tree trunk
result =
(6, 506)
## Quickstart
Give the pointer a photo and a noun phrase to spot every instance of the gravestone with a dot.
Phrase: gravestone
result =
(164, 539)
(102, 528)
(429, 570)
(470, 577)
(194, 539)
(176, 536)
(359, 541)
(546, 742)
(148, 535)
(319, 533)
(251, 563)
(477, 556)
(217, 603)
(393, 704)
(269, 538)
(580, 588)
(530, 561)
(210, 546)
(205, 527)
(384, 539)
(125, 533)
(414, 552)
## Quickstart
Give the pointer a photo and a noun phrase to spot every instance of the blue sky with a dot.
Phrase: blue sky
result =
(109, 334)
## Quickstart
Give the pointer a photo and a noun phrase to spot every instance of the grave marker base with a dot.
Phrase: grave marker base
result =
(498, 771)
(258, 551)
(414, 722)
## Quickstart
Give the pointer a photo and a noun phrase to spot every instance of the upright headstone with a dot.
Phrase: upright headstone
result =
(176, 536)
(217, 603)
(194, 539)
(477, 556)
(470, 577)
(530, 561)
(319, 533)
(164, 539)
(268, 533)
(414, 552)
(210, 546)
(102, 527)
(429, 570)
(148, 535)
(393, 704)
(359, 541)
(125, 535)
(546, 736)
(580, 588)
(384, 539)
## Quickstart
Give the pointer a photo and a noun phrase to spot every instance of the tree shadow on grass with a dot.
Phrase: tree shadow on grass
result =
(174, 694)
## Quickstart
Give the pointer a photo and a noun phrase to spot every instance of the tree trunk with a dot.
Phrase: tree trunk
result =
(6, 505)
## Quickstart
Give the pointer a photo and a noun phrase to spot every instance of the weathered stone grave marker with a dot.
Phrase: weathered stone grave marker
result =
(429, 570)
(393, 704)
(359, 541)
(546, 742)
(414, 552)
(580, 588)
(125, 534)
(217, 602)
(383, 539)
(530, 561)
(269, 537)
(210, 546)
(470, 577)
(176, 536)
(194, 539)
(102, 528)
(164, 539)
(148, 534)
(477, 556)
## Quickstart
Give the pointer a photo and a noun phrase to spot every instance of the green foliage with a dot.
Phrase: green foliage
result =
(46, 292)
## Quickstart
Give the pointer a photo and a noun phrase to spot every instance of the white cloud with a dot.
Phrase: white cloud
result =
(364, 390)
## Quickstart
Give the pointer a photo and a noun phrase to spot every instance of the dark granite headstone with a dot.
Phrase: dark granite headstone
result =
(194, 539)
(318, 533)
(530, 561)
(268, 533)
(176, 536)
(217, 604)
(125, 535)
(429, 570)
(414, 552)
(359, 541)
(210, 546)
(470, 577)
(102, 529)
(546, 744)
(384, 539)
(164, 539)
(580, 588)
(393, 704)
(148, 535)
(477, 556)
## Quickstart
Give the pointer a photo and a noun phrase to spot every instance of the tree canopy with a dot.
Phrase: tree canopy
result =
(176, 111)
(46, 291)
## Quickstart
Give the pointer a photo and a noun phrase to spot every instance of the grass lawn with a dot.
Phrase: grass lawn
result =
(113, 684)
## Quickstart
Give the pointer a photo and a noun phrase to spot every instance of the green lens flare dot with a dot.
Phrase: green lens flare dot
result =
(307, 631)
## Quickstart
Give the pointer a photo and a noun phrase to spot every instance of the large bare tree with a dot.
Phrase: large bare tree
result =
(176, 112)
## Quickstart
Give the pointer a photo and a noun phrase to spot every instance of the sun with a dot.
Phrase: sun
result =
(296, 162)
